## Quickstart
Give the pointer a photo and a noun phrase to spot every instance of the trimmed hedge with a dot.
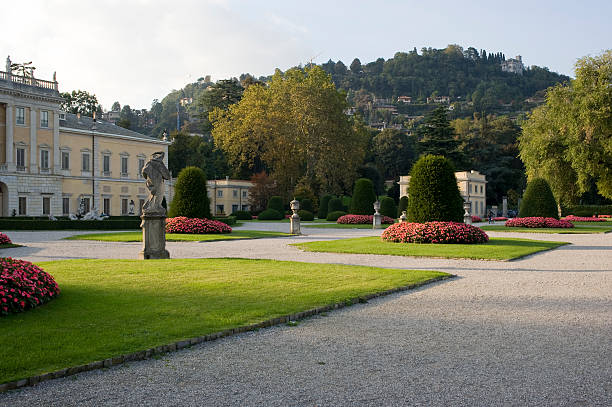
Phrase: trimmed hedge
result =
(107, 224)
(242, 215)
(228, 220)
(433, 191)
(276, 203)
(323, 205)
(335, 205)
(270, 214)
(333, 216)
(305, 215)
(587, 210)
(364, 197)
(538, 201)
(387, 207)
(306, 204)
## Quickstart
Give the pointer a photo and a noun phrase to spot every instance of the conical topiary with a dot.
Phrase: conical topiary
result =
(433, 194)
(190, 198)
(323, 206)
(387, 207)
(538, 200)
(364, 197)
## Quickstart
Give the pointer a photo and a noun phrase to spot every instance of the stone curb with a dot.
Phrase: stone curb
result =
(173, 347)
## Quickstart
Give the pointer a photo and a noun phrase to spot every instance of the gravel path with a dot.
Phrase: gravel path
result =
(537, 331)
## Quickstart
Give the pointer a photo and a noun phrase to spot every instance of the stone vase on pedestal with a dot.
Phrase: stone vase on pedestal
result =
(153, 237)
(295, 218)
(376, 220)
(467, 216)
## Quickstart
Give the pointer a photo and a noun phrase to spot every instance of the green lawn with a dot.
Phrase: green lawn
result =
(9, 245)
(495, 249)
(179, 237)
(577, 229)
(285, 221)
(342, 226)
(112, 307)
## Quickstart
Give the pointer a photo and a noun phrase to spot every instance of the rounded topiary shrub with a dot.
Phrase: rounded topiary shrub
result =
(403, 205)
(182, 224)
(538, 201)
(362, 220)
(276, 203)
(323, 205)
(23, 286)
(306, 205)
(362, 202)
(333, 216)
(242, 215)
(305, 215)
(538, 222)
(190, 198)
(434, 232)
(433, 191)
(270, 214)
(387, 207)
(335, 205)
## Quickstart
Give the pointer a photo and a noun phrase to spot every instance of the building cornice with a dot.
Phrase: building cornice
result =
(119, 136)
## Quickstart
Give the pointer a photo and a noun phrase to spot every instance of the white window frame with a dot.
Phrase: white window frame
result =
(22, 209)
(65, 165)
(83, 154)
(106, 169)
(47, 200)
(44, 119)
(65, 205)
(22, 165)
(44, 160)
(124, 166)
(20, 118)
(106, 204)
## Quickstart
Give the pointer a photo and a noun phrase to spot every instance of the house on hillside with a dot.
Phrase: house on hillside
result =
(513, 65)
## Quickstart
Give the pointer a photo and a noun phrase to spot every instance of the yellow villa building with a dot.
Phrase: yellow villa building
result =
(51, 161)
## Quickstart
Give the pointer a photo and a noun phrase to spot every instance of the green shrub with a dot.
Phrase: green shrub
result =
(305, 215)
(587, 210)
(270, 214)
(276, 203)
(538, 201)
(228, 220)
(364, 197)
(387, 207)
(190, 198)
(333, 216)
(324, 203)
(434, 194)
(64, 224)
(403, 205)
(346, 203)
(334, 205)
(306, 204)
(242, 215)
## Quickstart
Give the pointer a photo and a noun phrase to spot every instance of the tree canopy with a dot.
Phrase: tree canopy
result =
(297, 128)
(80, 101)
(568, 141)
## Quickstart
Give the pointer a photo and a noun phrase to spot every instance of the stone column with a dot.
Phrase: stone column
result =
(376, 219)
(10, 145)
(153, 237)
(295, 218)
(505, 206)
(57, 157)
(33, 144)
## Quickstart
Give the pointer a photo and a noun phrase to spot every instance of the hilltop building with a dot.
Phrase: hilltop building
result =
(513, 65)
(472, 186)
(51, 161)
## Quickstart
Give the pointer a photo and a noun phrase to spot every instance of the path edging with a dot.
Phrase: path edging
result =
(178, 345)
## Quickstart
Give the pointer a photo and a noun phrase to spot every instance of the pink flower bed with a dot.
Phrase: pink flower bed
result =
(573, 218)
(182, 224)
(539, 222)
(604, 216)
(4, 239)
(23, 286)
(362, 219)
(476, 218)
(434, 232)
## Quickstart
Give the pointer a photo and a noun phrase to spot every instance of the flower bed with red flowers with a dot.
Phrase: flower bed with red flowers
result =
(573, 218)
(500, 218)
(362, 219)
(434, 232)
(604, 216)
(4, 239)
(476, 218)
(538, 222)
(182, 224)
(23, 286)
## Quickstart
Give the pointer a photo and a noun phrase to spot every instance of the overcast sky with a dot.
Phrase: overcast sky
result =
(134, 51)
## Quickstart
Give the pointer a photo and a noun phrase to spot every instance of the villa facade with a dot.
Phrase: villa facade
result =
(51, 161)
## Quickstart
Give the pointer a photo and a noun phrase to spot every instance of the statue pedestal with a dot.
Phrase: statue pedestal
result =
(295, 225)
(376, 221)
(153, 237)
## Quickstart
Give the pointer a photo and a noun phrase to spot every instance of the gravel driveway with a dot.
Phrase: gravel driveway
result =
(537, 331)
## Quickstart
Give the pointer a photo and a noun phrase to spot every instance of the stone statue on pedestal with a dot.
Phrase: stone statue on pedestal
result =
(153, 213)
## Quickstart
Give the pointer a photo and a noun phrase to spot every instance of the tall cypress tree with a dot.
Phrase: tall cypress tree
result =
(437, 137)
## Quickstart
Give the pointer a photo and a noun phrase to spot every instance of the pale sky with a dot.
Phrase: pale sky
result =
(134, 51)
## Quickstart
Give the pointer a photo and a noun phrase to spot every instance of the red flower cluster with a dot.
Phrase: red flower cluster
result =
(500, 218)
(573, 218)
(362, 219)
(538, 222)
(4, 239)
(476, 218)
(23, 286)
(182, 224)
(434, 232)
(604, 216)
